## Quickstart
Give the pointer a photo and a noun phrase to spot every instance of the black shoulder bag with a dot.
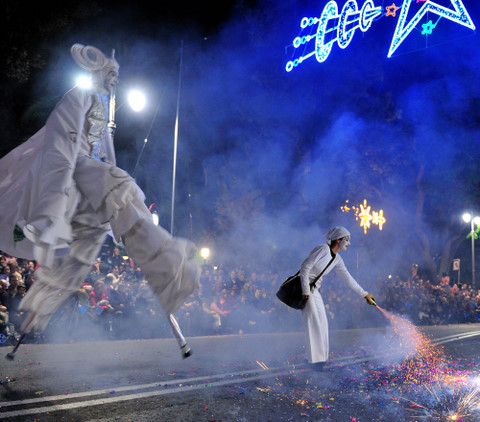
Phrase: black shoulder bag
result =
(290, 292)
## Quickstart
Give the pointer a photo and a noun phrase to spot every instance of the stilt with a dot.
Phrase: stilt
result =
(184, 347)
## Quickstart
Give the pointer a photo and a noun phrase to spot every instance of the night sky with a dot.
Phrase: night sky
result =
(267, 157)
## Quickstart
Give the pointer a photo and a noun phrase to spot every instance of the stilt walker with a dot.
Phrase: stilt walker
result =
(62, 190)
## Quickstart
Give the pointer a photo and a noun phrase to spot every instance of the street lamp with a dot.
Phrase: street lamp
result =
(136, 100)
(205, 253)
(84, 81)
(469, 218)
(155, 218)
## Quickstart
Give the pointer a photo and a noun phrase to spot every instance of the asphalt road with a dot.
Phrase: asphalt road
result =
(370, 377)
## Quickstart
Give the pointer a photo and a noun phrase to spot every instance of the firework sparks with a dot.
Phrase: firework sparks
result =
(449, 395)
(262, 365)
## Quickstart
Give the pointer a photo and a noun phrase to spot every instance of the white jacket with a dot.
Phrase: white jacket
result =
(37, 190)
(317, 261)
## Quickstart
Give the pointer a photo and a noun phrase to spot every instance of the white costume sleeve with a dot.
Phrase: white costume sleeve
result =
(306, 268)
(48, 226)
(342, 271)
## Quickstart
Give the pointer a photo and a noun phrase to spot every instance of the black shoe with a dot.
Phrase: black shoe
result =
(317, 366)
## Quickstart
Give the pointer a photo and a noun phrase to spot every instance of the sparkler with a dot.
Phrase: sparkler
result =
(449, 396)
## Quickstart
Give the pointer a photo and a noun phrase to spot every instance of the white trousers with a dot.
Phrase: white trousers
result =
(315, 325)
(111, 199)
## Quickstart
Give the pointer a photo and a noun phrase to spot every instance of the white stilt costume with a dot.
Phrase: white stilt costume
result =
(63, 189)
(314, 317)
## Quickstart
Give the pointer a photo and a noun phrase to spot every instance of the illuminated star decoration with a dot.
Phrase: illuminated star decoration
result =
(378, 219)
(392, 10)
(365, 214)
(458, 15)
(427, 28)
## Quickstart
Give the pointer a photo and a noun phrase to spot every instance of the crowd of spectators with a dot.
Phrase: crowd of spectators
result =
(116, 300)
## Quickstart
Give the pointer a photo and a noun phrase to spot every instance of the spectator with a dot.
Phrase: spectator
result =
(95, 273)
(15, 279)
(15, 315)
(4, 304)
(116, 258)
(220, 307)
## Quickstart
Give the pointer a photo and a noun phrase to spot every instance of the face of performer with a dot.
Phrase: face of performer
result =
(111, 79)
(344, 243)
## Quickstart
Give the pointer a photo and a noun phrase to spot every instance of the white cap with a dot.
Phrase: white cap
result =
(335, 233)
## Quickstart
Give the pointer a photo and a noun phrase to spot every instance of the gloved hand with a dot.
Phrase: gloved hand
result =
(370, 300)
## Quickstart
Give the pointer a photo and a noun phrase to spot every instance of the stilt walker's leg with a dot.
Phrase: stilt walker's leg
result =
(11, 355)
(167, 262)
(177, 332)
(55, 285)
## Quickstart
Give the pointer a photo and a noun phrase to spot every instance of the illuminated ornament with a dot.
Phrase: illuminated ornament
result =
(475, 233)
(344, 24)
(364, 213)
(427, 28)
(392, 10)
(378, 219)
(345, 208)
(365, 216)
(339, 26)
(403, 29)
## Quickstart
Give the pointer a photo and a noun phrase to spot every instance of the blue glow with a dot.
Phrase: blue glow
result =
(340, 27)
(459, 15)
(322, 50)
(345, 25)
(427, 28)
(345, 37)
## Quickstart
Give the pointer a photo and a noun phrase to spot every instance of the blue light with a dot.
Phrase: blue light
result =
(341, 28)
(344, 25)
(345, 37)
(322, 50)
(402, 31)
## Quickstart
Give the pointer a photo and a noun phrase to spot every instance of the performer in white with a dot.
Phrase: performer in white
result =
(324, 258)
(62, 189)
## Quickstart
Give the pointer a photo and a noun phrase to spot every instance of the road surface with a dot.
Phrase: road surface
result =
(262, 377)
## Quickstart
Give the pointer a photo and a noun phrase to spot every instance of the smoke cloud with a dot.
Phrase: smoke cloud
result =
(266, 158)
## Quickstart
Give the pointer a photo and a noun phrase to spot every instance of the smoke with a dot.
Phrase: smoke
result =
(266, 158)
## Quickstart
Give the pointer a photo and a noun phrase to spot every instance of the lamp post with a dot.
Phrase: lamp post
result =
(469, 218)
(205, 253)
(175, 140)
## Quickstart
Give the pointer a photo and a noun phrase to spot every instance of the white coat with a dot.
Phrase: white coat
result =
(62, 188)
(314, 317)
(37, 190)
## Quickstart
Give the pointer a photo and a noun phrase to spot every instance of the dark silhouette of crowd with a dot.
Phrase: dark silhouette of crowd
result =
(115, 301)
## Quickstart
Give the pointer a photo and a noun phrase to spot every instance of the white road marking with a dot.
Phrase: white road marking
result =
(185, 385)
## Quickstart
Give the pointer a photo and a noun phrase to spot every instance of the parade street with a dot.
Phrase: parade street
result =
(245, 378)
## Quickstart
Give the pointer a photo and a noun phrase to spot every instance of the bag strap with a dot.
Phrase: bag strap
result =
(314, 282)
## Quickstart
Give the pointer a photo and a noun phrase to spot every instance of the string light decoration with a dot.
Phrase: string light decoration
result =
(339, 26)
(427, 28)
(365, 215)
(392, 10)
(403, 29)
